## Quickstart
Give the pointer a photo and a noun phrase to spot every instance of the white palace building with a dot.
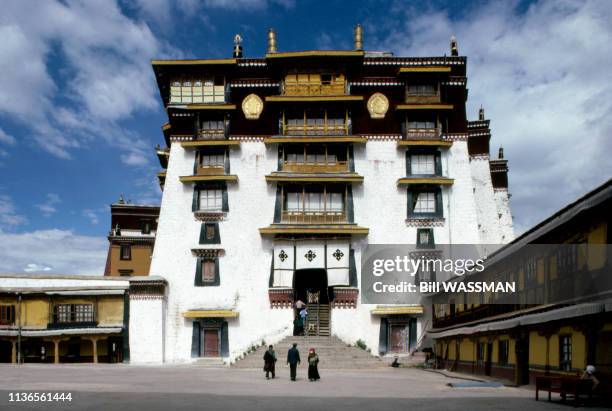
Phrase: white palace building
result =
(280, 170)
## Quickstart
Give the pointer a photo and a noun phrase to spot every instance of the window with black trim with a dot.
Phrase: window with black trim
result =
(565, 352)
(210, 198)
(74, 313)
(423, 89)
(7, 314)
(207, 272)
(425, 273)
(211, 161)
(423, 162)
(209, 233)
(480, 352)
(146, 226)
(503, 348)
(424, 202)
(425, 238)
(125, 252)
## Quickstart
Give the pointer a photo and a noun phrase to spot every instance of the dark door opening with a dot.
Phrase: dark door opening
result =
(489, 359)
(311, 280)
(522, 360)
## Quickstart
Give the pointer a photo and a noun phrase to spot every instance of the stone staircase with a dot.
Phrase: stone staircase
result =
(317, 322)
(333, 354)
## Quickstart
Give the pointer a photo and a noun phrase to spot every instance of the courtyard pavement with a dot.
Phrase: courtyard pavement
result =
(127, 387)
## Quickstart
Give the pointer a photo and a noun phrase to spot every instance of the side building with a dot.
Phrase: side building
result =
(278, 173)
(560, 318)
(57, 319)
(131, 239)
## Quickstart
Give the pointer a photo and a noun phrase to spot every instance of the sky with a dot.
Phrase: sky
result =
(80, 113)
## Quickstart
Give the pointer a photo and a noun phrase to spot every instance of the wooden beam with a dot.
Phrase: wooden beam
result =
(356, 230)
(347, 97)
(424, 69)
(196, 178)
(316, 53)
(192, 62)
(207, 143)
(424, 107)
(425, 180)
(289, 177)
(436, 143)
(327, 139)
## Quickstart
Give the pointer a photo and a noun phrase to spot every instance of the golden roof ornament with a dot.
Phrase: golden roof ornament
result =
(271, 41)
(453, 46)
(237, 46)
(358, 37)
(378, 104)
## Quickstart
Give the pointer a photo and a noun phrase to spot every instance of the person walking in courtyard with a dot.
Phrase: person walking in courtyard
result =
(293, 359)
(313, 365)
(270, 362)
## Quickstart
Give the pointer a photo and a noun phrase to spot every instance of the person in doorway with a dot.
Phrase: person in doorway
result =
(270, 362)
(304, 317)
(293, 359)
(299, 305)
(313, 366)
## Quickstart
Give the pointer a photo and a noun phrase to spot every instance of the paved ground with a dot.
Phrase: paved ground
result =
(125, 387)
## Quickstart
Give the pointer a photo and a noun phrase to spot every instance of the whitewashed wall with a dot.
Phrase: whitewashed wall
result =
(379, 204)
(488, 221)
(147, 329)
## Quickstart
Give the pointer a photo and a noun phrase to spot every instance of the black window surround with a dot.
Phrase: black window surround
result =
(422, 232)
(195, 205)
(416, 151)
(199, 281)
(414, 190)
(211, 151)
(209, 233)
(125, 252)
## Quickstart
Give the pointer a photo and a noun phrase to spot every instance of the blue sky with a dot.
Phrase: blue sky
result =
(80, 112)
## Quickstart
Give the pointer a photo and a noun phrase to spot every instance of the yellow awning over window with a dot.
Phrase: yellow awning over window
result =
(210, 314)
(399, 309)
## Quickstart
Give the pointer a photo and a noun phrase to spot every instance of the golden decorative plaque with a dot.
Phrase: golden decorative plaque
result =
(252, 106)
(378, 104)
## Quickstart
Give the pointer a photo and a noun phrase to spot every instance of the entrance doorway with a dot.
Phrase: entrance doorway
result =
(402, 334)
(489, 359)
(210, 342)
(310, 287)
(314, 280)
(522, 360)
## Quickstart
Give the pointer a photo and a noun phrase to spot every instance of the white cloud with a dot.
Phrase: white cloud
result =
(6, 138)
(52, 251)
(543, 78)
(9, 218)
(248, 4)
(105, 74)
(36, 268)
(48, 207)
(91, 215)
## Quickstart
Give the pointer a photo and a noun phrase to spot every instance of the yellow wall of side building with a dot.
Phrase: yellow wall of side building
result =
(140, 262)
(36, 311)
(110, 310)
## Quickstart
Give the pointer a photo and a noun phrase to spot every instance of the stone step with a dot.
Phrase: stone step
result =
(334, 354)
(210, 362)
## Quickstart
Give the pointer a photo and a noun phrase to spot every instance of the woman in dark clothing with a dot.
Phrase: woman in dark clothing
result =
(313, 365)
(270, 362)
